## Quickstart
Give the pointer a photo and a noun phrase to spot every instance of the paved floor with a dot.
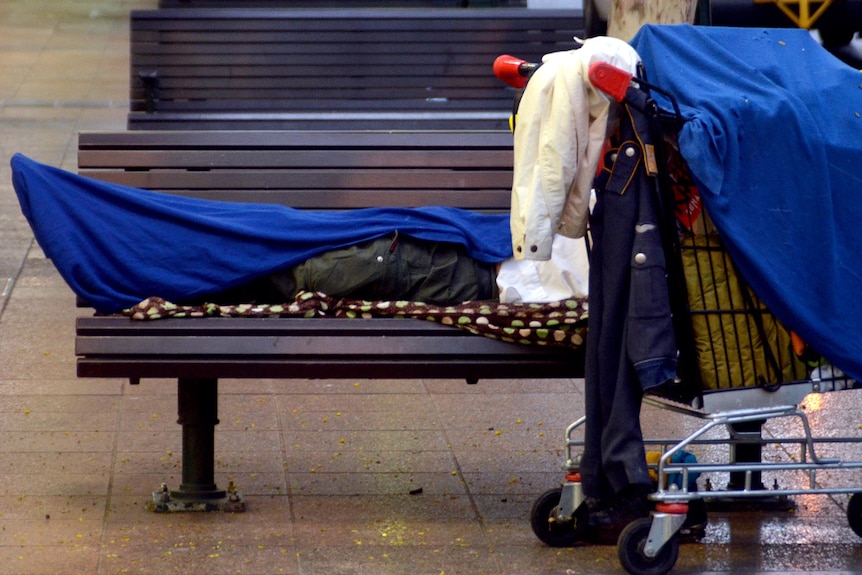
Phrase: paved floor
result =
(332, 470)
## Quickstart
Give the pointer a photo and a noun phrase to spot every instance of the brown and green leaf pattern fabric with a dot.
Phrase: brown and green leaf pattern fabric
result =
(562, 323)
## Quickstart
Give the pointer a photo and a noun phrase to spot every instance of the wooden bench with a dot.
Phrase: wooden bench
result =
(408, 68)
(309, 170)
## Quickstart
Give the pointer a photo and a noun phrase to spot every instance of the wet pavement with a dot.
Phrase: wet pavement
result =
(353, 477)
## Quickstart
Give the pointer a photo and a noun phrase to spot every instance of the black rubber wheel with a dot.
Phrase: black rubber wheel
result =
(547, 529)
(631, 545)
(854, 513)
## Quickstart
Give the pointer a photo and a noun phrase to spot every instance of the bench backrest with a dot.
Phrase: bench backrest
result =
(233, 64)
(331, 3)
(310, 170)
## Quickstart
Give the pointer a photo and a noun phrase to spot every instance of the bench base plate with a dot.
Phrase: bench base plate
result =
(165, 501)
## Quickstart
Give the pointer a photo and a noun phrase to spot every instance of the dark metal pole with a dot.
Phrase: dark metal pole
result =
(197, 406)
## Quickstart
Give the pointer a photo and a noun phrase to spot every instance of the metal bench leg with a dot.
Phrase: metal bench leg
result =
(747, 453)
(197, 406)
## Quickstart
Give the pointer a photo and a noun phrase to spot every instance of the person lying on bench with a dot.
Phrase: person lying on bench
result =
(400, 267)
(116, 246)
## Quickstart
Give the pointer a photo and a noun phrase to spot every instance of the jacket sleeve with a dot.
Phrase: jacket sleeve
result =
(551, 119)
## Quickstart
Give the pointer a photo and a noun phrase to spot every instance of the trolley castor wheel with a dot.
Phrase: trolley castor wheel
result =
(546, 525)
(854, 513)
(630, 550)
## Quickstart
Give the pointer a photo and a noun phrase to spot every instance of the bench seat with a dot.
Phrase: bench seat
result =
(307, 348)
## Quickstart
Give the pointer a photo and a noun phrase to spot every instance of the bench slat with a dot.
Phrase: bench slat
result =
(313, 179)
(307, 159)
(297, 140)
(264, 327)
(557, 366)
(414, 52)
(483, 201)
(320, 347)
(370, 89)
(139, 120)
(348, 19)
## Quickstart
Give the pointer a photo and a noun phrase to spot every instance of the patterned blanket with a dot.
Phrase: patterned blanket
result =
(562, 323)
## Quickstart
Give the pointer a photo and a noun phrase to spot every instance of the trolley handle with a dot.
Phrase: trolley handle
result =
(514, 71)
(606, 77)
(611, 80)
(616, 83)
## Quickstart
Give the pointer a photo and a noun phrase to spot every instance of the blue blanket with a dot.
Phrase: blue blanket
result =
(116, 245)
(774, 140)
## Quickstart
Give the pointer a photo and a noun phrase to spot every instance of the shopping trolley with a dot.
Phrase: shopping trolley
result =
(739, 369)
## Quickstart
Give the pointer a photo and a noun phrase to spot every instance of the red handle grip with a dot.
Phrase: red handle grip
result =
(611, 80)
(513, 71)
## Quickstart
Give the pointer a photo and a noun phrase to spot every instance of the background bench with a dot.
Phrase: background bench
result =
(334, 3)
(408, 68)
(316, 171)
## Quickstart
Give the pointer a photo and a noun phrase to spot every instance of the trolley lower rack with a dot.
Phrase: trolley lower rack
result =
(651, 545)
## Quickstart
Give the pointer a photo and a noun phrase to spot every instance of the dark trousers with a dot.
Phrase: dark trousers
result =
(630, 342)
(395, 267)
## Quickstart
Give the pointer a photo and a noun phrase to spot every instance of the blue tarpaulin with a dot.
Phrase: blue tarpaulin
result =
(773, 137)
(116, 245)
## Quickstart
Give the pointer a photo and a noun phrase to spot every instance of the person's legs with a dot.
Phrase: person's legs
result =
(395, 267)
(442, 273)
(361, 271)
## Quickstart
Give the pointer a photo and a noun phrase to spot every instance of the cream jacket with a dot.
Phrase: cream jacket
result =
(561, 127)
